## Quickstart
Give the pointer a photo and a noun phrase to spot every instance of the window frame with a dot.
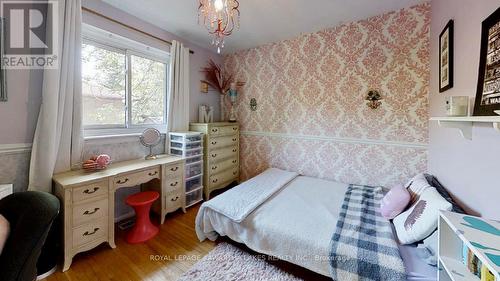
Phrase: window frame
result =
(109, 41)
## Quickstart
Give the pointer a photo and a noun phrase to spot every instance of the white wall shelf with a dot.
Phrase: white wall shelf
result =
(464, 124)
(478, 234)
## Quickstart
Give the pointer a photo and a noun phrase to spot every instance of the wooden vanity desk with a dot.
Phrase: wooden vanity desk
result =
(88, 199)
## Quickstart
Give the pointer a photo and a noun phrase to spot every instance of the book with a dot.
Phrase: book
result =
(486, 274)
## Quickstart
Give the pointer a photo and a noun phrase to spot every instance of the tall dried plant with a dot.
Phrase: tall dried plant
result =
(220, 80)
(217, 78)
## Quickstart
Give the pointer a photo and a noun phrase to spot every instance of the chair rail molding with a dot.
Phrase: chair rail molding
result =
(338, 139)
(15, 148)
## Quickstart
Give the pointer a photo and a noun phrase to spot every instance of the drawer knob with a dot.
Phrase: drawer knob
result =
(235, 139)
(153, 174)
(234, 150)
(87, 213)
(235, 128)
(234, 161)
(174, 199)
(174, 169)
(215, 180)
(214, 130)
(91, 233)
(174, 183)
(214, 168)
(214, 155)
(122, 181)
(88, 191)
(214, 142)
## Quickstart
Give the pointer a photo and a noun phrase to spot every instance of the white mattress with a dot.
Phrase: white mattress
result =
(296, 225)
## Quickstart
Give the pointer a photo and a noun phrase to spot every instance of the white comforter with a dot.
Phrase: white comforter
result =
(295, 224)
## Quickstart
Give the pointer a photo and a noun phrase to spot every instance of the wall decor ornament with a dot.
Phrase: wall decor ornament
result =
(253, 104)
(374, 99)
(488, 84)
(446, 57)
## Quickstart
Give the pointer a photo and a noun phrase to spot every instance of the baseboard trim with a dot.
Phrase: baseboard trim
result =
(15, 148)
(337, 139)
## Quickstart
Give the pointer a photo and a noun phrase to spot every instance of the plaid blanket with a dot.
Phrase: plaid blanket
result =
(363, 246)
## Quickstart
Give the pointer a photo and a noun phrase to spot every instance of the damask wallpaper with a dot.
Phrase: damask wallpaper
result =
(311, 115)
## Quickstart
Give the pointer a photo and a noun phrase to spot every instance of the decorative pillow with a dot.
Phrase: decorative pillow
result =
(421, 219)
(394, 202)
(4, 231)
(416, 186)
(442, 190)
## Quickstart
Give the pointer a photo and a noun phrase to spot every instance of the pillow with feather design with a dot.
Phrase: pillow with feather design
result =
(421, 219)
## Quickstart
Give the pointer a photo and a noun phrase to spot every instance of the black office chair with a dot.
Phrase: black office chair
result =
(30, 215)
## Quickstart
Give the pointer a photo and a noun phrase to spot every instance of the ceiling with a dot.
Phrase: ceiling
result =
(262, 21)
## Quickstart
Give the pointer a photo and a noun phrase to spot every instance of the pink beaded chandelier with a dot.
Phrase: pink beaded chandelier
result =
(220, 17)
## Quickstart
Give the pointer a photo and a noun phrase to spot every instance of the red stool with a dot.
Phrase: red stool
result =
(143, 229)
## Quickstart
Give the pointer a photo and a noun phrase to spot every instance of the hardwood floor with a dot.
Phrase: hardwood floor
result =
(166, 257)
(172, 252)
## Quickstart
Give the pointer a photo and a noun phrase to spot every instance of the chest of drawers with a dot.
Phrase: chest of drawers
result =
(221, 143)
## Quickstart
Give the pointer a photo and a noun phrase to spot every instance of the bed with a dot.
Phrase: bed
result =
(295, 224)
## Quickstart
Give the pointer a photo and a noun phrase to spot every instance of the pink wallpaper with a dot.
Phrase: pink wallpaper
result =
(310, 90)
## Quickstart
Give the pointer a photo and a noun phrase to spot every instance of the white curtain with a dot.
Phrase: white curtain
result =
(178, 99)
(58, 141)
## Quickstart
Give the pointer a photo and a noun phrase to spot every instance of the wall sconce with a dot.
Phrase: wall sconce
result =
(374, 99)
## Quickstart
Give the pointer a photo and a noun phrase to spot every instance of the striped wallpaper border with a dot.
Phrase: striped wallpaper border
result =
(337, 139)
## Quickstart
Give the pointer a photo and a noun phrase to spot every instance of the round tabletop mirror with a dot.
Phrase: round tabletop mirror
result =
(150, 138)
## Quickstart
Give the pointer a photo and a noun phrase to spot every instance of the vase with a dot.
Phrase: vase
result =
(222, 113)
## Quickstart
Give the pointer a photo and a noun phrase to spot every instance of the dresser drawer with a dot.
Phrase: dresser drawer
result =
(174, 184)
(173, 201)
(137, 178)
(223, 165)
(90, 191)
(224, 130)
(175, 171)
(219, 142)
(217, 155)
(90, 232)
(224, 177)
(83, 213)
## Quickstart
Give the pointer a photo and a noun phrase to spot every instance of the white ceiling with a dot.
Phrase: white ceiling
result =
(262, 21)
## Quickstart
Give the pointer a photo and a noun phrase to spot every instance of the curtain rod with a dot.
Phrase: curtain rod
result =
(128, 26)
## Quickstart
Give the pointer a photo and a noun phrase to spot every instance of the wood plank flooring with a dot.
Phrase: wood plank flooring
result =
(166, 257)
(172, 252)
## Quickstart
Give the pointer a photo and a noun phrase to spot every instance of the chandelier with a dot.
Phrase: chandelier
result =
(220, 17)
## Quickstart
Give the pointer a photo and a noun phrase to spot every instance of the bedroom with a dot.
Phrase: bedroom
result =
(346, 140)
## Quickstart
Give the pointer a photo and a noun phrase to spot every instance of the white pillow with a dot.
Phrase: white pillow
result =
(416, 186)
(421, 219)
(4, 231)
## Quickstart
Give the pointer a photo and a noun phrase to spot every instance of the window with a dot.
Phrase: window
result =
(124, 84)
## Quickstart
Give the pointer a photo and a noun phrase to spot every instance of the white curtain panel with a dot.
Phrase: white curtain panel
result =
(178, 99)
(58, 141)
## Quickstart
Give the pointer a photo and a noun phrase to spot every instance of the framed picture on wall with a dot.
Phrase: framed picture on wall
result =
(446, 58)
(3, 81)
(488, 84)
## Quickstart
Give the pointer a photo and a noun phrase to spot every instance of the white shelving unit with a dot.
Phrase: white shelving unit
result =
(190, 146)
(465, 124)
(454, 231)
